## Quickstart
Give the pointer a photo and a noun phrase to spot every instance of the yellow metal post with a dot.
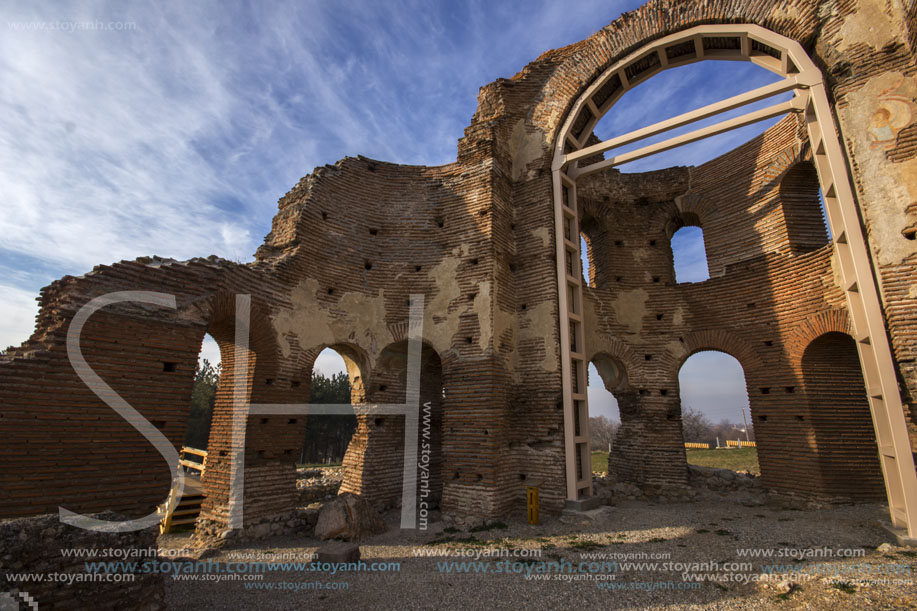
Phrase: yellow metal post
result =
(531, 499)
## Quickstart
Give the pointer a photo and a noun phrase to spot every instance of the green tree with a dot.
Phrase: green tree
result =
(203, 397)
(327, 436)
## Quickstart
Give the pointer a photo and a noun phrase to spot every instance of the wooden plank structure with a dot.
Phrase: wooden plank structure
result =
(185, 510)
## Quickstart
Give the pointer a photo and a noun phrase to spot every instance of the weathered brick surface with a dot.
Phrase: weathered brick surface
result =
(352, 241)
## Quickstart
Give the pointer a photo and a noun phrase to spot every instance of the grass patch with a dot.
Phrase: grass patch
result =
(316, 465)
(599, 462)
(450, 530)
(586, 546)
(845, 586)
(657, 540)
(723, 532)
(789, 593)
(734, 459)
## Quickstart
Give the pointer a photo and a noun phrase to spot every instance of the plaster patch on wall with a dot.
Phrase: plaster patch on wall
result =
(869, 24)
(440, 333)
(481, 307)
(307, 319)
(530, 325)
(676, 349)
(678, 317)
(912, 292)
(892, 186)
(630, 308)
(363, 321)
(544, 234)
(524, 148)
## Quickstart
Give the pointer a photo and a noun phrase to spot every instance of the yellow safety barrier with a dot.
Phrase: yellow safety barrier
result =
(697, 446)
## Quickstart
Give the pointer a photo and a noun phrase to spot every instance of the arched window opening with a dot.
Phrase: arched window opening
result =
(714, 408)
(604, 376)
(679, 90)
(845, 441)
(328, 435)
(689, 255)
(803, 208)
(586, 256)
(203, 394)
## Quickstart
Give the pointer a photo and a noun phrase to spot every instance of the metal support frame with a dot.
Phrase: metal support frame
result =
(786, 58)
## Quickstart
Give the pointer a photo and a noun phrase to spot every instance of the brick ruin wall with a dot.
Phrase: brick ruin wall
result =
(351, 242)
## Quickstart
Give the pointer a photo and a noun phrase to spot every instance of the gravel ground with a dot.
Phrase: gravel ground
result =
(705, 532)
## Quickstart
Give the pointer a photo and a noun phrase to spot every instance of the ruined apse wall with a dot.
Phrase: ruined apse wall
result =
(770, 274)
(352, 241)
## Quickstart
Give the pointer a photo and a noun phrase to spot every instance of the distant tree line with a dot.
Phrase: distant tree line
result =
(697, 428)
(326, 437)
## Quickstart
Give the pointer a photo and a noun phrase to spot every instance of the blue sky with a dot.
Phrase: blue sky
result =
(172, 128)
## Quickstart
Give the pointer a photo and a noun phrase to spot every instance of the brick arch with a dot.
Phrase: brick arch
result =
(813, 327)
(612, 347)
(573, 68)
(722, 341)
(355, 360)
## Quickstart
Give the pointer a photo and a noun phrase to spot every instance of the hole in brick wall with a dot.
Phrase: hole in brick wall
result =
(663, 392)
(169, 366)
(482, 212)
(469, 340)
(260, 453)
(416, 268)
(656, 278)
(455, 475)
(331, 291)
(440, 221)
(479, 477)
(559, 406)
(512, 226)
(762, 418)
(800, 418)
(367, 265)
(223, 452)
(373, 232)
(471, 296)
(670, 416)
(647, 357)
(485, 432)
(768, 342)
(383, 388)
(474, 261)
(658, 316)
(523, 306)
(765, 391)
(379, 421)
(522, 477)
(291, 421)
(619, 242)
(642, 391)
(268, 381)
(790, 389)
(619, 278)
(752, 306)
(652, 242)
(910, 234)
(681, 339)
(264, 421)
(513, 267)
(295, 383)
(324, 216)
(159, 424)
(371, 167)
(288, 452)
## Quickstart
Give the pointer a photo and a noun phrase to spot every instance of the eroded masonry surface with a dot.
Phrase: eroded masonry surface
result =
(353, 241)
